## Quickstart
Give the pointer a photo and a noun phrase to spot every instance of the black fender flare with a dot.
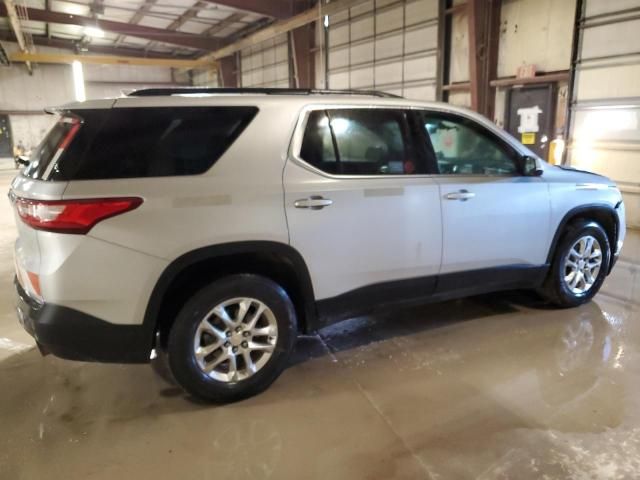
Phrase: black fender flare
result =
(193, 257)
(578, 212)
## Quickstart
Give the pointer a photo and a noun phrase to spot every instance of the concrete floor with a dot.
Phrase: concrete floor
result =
(490, 387)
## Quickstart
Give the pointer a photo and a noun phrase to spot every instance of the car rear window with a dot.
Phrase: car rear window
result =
(139, 142)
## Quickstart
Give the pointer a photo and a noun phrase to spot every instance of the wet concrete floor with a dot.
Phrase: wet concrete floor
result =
(492, 387)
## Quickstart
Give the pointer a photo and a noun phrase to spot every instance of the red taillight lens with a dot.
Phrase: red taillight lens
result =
(72, 216)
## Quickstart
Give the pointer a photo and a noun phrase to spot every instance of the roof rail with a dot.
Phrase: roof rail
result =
(154, 92)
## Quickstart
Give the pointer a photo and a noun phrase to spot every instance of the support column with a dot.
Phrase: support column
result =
(302, 43)
(302, 49)
(484, 33)
(229, 71)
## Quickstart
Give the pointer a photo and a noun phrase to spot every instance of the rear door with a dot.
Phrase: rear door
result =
(360, 208)
(493, 216)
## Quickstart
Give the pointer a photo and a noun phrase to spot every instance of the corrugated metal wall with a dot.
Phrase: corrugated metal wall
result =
(266, 64)
(605, 133)
(387, 45)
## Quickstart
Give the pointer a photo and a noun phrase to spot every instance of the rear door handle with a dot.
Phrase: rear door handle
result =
(462, 195)
(314, 202)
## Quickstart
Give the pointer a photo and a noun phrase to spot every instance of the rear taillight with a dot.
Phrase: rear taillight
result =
(71, 216)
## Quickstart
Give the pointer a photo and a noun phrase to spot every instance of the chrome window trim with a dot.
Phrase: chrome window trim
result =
(303, 116)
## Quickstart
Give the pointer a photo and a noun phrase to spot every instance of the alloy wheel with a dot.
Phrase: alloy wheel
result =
(235, 339)
(582, 264)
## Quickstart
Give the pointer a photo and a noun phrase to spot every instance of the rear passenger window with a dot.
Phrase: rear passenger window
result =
(360, 142)
(157, 142)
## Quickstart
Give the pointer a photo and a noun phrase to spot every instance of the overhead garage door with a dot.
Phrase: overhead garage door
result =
(387, 45)
(266, 64)
(605, 133)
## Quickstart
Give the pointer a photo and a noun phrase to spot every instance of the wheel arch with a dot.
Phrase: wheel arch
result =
(604, 214)
(193, 270)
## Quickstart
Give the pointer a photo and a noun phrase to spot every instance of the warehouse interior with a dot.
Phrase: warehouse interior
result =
(495, 386)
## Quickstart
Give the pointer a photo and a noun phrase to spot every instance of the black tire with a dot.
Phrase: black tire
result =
(182, 359)
(555, 289)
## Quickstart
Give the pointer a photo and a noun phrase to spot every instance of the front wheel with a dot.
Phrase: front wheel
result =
(580, 265)
(233, 338)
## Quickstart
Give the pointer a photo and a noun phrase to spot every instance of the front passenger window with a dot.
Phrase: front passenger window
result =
(463, 147)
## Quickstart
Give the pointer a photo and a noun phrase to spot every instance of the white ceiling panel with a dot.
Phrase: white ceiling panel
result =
(214, 13)
(135, 41)
(59, 29)
(117, 14)
(155, 22)
(194, 27)
(34, 3)
(70, 8)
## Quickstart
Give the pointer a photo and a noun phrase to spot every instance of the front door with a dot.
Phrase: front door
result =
(360, 208)
(493, 217)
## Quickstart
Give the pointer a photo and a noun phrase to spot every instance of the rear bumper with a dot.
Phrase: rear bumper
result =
(74, 335)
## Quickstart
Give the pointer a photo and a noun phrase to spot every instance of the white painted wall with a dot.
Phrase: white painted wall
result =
(266, 64)
(388, 45)
(52, 85)
(538, 32)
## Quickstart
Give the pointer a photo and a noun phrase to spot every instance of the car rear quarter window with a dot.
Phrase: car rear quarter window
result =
(360, 142)
(157, 142)
(64, 145)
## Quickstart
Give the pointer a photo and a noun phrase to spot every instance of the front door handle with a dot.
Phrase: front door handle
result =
(314, 202)
(462, 195)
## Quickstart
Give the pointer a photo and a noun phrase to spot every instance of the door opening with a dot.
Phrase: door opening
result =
(6, 144)
(530, 116)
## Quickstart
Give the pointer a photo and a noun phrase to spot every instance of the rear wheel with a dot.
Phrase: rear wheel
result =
(233, 338)
(580, 265)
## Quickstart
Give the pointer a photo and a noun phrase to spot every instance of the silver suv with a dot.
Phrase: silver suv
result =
(213, 226)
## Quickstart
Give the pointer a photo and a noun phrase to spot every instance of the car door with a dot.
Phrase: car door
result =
(360, 208)
(495, 219)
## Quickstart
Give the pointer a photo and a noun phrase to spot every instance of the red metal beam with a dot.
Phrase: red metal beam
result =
(149, 33)
(229, 71)
(302, 44)
(484, 27)
(302, 40)
(102, 49)
(270, 8)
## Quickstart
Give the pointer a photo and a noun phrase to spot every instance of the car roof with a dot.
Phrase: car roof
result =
(328, 98)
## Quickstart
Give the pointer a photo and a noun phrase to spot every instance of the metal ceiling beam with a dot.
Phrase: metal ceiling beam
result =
(77, 45)
(135, 19)
(149, 33)
(109, 60)
(270, 8)
(14, 21)
(190, 13)
(284, 26)
(227, 22)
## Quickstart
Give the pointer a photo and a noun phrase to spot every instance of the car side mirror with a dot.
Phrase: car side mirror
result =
(22, 160)
(530, 166)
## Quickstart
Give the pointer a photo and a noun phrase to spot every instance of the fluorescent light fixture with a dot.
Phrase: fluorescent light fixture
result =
(326, 21)
(93, 32)
(78, 81)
